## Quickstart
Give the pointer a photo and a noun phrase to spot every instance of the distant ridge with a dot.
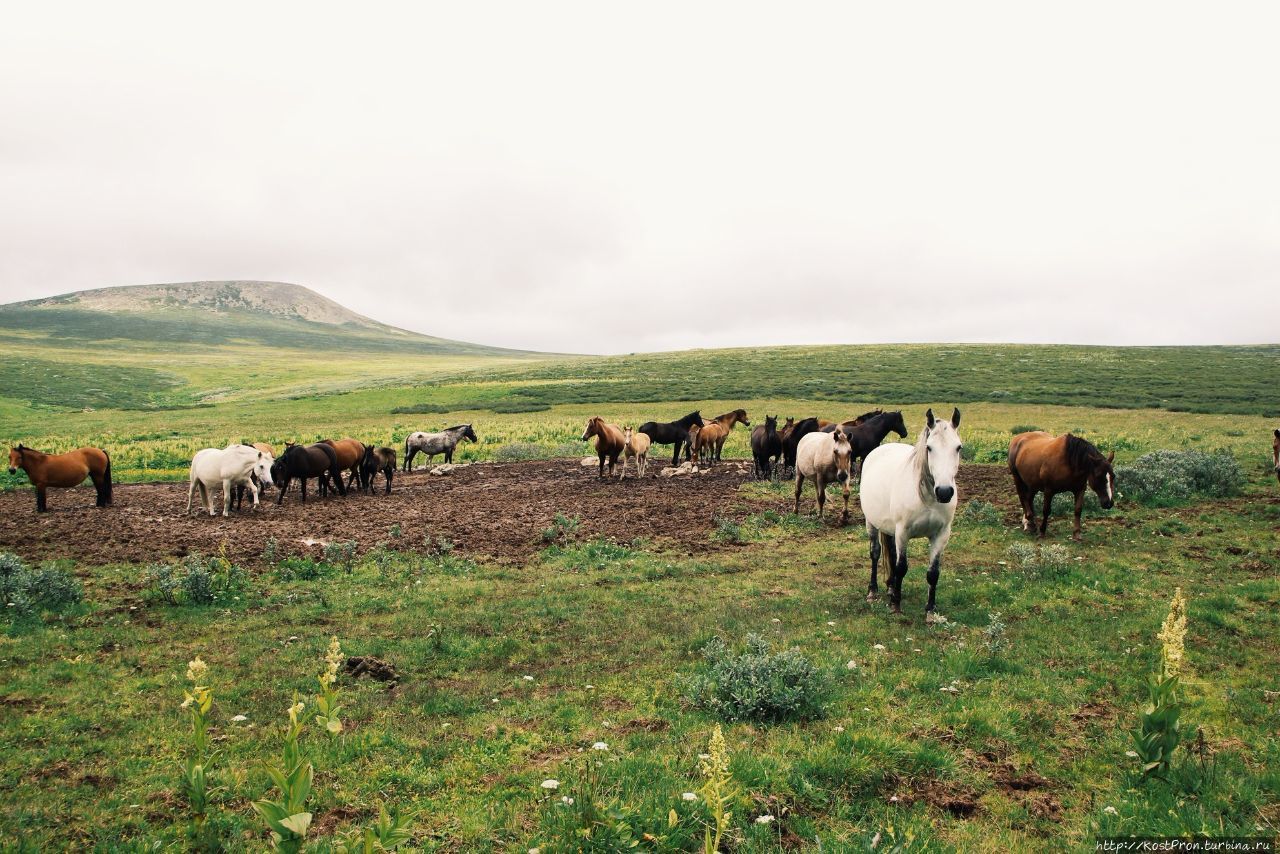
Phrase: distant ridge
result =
(220, 312)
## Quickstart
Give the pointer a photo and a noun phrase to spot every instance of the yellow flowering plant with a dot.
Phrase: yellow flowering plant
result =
(285, 816)
(198, 702)
(718, 790)
(327, 700)
(1159, 733)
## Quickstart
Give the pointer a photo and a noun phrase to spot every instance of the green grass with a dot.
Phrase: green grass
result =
(1028, 754)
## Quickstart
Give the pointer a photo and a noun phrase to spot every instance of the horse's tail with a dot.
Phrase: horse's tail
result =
(105, 491)
(1014, 446)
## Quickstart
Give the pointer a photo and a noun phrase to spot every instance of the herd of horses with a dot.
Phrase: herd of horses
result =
(906, 491)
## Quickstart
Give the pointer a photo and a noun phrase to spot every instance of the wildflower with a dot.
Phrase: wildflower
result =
(599, 745)
(238, 718)
(550, 784)
(879, 646)
(837, 729)
(197, 670)
(689, 796)
(527, 678)
(764, 819)
(851, 665)
(566, 800)
(186, 704)
(1172, 634)
(1132, 754)
(831, 622)
(333, 660)
(1111, 811)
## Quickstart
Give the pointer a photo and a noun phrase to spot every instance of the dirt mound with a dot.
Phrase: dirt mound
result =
(493, 510)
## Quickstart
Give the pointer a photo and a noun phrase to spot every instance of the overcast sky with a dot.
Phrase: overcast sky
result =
(608, 177)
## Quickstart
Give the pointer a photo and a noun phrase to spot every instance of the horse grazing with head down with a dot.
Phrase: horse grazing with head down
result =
(63, 471)
(610, 441)
(824, 457)
(673, 433)
(381, 459)
(1042, 462)
(714, 432)
(297, 462)
(236, 467)
(909, 491)
(766, 446)
(436, 443)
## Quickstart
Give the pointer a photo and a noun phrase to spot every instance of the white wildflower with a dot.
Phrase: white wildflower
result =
(599, 745)
(550, 784)
(689, 796)
(764, 819)
(1111, 811)
(238, 718)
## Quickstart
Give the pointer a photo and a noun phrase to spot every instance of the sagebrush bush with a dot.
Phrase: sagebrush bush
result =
(758, 684)
(195, 580)
(26, 592)
(979, 512)
(1170, 477)
(1052, 559)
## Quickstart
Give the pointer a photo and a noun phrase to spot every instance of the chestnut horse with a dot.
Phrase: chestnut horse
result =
(714, 432)
(610, 441)
(63, 471)
(1042, 462)
(350, 454)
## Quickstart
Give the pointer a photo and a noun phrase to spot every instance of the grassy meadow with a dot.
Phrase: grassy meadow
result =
(1004, 729)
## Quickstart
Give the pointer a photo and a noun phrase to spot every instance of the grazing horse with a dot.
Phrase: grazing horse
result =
(673, 433)
(1275, 452)
(235, 467)
(867, 436)
(909, 491)
(63, 471)
(436, 443)
(766, 446)
(610, 441)
(268, 452)
(792, 437)
(824, 457)
(714, 432)
(300, 462)
(350, 454)
(381, 459)
(1041, 462)
(635, 445)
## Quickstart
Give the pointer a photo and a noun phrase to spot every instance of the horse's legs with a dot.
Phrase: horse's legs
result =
(1027, 499)
(303, 486)
(844, 514)
(42, 503)
(799, 486)
(643, 461)
(1075, 532)
(1048, 505)
(191, 492)
(623, 473)
(936, 545)
(205, 501)
(899, 569)
(601, 456)
(408, 458)
(98, 484)
(874, 536)
(227, 489)
(613, 461)
(820, 484)
(253, 493)
(284, 487)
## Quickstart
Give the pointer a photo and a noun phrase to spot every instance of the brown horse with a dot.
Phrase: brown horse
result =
(1041, 462)
(1275, 452)
(610, 441)
(63, 471)
(714, 433)
(350, 454)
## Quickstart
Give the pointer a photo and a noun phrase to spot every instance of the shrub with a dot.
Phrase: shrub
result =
(1022, 428)
(993, 634)
(563, 529)
(26, 592)
(758, 684)
(979, 512)
(727, 531)
(196, 580)
(1169, 477)
(340, 555)
(301, 569)
(1050, 559)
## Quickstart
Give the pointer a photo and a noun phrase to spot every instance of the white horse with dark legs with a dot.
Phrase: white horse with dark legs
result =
(824, 457)
(436, 443)
(233, 466)
(909, 492)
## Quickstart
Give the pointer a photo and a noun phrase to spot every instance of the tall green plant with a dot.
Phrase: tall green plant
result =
(198, 702)
(286, 816)
(1159, 731)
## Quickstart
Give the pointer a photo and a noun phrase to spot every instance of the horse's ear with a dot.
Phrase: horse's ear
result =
(1111, 458)
(955, 416)
(928, 418)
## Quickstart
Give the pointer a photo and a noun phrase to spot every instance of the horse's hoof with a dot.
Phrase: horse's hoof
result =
(872, 596)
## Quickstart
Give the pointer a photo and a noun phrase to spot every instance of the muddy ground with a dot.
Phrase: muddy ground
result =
(491, 510)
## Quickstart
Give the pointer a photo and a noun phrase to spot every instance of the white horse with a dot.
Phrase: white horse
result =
(436, 443)
(909, 492)
(232, 466)
(824, 457)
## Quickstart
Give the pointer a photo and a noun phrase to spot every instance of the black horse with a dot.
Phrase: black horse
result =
(673, 432)
(803, 428)
(318, 461)
(766, 446)
(867, 436)
(377, 460)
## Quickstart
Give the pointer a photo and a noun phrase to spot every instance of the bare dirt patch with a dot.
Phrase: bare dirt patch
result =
(493, 510)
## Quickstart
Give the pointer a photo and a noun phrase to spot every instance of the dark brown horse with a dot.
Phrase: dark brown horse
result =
(1275, 452)
(319, 461)
(673, 433)
(610, 441)
(63, 471)
(376, 460)
(867, 431)
(1042, 462)
(766, 446)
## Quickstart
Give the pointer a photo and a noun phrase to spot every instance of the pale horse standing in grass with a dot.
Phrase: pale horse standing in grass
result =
(634, 445)
(909, 492)
(824, 457)
(232, 466)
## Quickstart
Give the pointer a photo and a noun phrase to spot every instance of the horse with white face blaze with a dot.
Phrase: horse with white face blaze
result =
(63, 471)
(1042, 462)
(824, 457)
(909, 491)
(436, 443)
(233, 466)
(610, 441)
(634, 445)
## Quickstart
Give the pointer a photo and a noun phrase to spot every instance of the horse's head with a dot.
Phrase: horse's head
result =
(842, 456)
(262, 467)
(593, 428)
(770, 424)
(469, 434)
(1275, 450)
(15, 458)
(1102, 479)
(942, 450)
(740, 415)
(897, 425)
(695, 417)
(626, 437)
(280, 468)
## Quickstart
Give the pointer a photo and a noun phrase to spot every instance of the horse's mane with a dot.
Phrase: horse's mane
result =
(689, 420)
(1081, 453)
(458, 427)
(919, 463)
